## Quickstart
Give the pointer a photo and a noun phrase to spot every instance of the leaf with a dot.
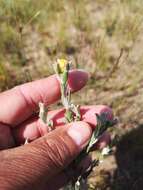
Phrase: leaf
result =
(64, 77)
(43, 112)
(94, 137)
(69, 116)
(103, 123)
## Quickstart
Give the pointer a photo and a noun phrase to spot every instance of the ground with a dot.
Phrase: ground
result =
(103, 37)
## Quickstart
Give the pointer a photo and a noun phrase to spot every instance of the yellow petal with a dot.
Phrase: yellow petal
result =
(62, 64)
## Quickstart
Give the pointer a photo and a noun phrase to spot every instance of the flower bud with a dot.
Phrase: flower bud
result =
(62, 64)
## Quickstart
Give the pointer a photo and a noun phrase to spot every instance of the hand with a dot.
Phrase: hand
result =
(39, 165)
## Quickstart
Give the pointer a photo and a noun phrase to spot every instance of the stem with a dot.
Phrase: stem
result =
(72, 113)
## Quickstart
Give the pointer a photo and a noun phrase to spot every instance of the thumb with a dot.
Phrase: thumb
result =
(31, 166)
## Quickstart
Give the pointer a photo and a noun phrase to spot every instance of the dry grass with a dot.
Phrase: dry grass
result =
(91, 33)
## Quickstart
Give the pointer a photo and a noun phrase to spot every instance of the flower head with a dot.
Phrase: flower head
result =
(62, 64)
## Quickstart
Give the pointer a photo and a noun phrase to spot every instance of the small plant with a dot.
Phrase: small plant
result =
(72, 113)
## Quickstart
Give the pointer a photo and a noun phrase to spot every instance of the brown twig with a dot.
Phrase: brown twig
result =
(115, 66)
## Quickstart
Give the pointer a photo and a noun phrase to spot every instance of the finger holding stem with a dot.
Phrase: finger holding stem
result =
(62, 68)
(72, 113)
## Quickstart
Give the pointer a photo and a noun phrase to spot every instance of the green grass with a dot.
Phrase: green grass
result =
(90, 33)
(65, 25)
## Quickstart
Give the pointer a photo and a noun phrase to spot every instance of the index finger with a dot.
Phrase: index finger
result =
(20, 102)
(34, 127)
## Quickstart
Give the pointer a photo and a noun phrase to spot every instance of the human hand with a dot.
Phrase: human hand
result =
(40, 164)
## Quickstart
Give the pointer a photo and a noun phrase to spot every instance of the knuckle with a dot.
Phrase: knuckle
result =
(58, 152)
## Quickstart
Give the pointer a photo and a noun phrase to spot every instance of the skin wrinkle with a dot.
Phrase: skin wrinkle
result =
(42, 148)
(55, 159)
(27, 162)
(39, 149)
(58, 154)
(62, 151)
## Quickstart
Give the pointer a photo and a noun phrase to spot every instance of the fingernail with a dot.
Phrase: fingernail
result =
(80, 132)
(77, 79)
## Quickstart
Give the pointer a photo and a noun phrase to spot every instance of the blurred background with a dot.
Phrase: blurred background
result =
(104, 37)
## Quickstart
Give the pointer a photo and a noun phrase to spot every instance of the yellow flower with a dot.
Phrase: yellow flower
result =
(62, 63)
